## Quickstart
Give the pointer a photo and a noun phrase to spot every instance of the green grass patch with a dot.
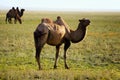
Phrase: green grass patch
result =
(97, 57)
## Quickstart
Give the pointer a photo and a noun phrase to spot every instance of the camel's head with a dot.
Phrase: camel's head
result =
(84, 22)
(22, 10)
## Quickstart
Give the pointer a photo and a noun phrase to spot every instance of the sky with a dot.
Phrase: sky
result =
(62, 5)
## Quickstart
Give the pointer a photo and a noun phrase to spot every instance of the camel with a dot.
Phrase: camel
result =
(14, 13)
(54, 34)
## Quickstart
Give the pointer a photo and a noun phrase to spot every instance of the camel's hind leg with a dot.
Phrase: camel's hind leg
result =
(10, 20)
(40, 40)
(37, 56)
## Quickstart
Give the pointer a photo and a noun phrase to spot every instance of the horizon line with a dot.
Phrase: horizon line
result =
(69, 10)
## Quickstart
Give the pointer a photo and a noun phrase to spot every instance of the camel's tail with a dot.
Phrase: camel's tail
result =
(35, 39)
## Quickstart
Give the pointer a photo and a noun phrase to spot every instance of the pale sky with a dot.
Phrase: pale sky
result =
(62, 5)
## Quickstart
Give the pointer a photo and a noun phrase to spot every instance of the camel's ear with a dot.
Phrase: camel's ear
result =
(42, 20)
(80, 20)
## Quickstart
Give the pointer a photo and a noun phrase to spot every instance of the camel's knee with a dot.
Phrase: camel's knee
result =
(37, 53)
(37, 57)
(20, 21)
(38, 50)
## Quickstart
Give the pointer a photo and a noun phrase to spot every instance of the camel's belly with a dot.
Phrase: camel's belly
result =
(56, 37)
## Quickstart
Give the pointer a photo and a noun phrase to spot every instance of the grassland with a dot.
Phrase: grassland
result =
(97, 57)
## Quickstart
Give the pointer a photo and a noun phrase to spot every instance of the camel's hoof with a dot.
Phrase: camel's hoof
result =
(66, 67)
(55, 67)
(40, 68)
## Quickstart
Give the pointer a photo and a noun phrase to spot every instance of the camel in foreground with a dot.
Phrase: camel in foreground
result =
(56, 34)
(14, 13)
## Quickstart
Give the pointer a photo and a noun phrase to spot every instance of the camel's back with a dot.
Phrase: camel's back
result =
(54, 31)
(56, 34)
(12, 13)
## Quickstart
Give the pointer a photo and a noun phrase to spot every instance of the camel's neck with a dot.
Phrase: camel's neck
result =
(21, 13)
(78, 34)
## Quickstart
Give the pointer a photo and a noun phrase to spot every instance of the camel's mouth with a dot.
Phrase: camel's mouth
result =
(22, 9)
(85, 21)
(88, 22)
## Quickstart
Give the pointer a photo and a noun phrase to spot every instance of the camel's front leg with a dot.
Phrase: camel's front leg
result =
(15, 20)
(67, 45)
(20, 21)
(56, 56)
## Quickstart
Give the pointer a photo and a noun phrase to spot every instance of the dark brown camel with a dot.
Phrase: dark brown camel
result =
(55, 35)
(14, 13)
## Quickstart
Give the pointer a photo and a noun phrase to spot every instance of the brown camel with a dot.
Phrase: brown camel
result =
(14, 13)
(53, 34)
